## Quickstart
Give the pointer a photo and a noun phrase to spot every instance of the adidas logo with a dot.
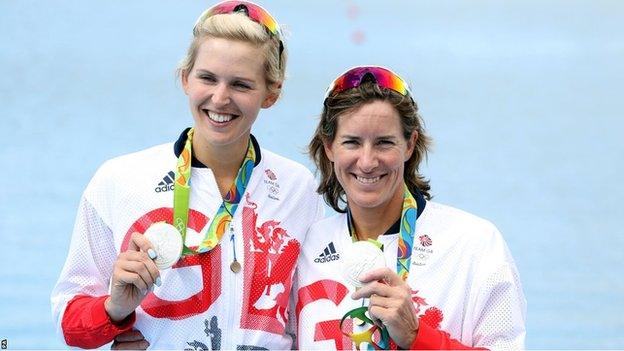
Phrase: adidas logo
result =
(166, 184)
(328, 255)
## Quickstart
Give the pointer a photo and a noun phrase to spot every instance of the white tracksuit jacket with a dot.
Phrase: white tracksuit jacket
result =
(201, 302)
(463, 278)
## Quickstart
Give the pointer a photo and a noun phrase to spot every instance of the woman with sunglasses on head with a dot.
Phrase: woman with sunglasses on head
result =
(394, 269)
(194, 243)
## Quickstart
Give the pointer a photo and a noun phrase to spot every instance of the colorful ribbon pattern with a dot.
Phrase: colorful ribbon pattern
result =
(181, 198)
(409, 214)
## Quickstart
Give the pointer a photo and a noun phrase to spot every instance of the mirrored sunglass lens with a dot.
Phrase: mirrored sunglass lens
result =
(383, 77)
(263, 17)
(255, 12)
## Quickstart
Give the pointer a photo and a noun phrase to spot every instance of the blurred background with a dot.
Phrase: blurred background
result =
(523, 98)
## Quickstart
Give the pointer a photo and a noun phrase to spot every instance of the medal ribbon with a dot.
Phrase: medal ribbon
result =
(406, 235)
(182, 191)
(409, 214)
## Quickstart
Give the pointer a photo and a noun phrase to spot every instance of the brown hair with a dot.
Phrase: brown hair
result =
(237, 26)
(348, 100)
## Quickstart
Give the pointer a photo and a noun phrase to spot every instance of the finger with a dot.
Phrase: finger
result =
(130, 335)
(148, 264)
(382, 314)
(153, 271)
(374, 287)
(381, 301)
(130, 345)
(377, 315)
(139, 268)
(131, 278)
(138, 242)
(384, 274)
(150, 267)
(127, 278)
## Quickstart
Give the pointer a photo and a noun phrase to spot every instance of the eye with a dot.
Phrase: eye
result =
(385, 143)
(240, 85)
(350, 142)
(207, 78)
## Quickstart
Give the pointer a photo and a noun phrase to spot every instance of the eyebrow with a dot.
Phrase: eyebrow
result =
(204, 71)
(348, 136)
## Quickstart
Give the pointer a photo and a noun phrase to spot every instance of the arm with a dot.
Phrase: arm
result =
(80, 301)
(496, 310)
(87, 325)
(390, 302)
(499, 316)
(79, 294)
(428, 338)
(500, 310)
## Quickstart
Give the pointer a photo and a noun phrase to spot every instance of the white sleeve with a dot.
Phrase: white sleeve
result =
(500, 305)
(89, 263)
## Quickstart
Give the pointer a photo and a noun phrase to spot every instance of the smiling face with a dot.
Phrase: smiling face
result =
(368, 154)
(226, 89)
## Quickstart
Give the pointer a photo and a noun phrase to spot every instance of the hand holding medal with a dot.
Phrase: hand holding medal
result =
(390, 303)
(134, 275)
(360, 258)
(390, 310)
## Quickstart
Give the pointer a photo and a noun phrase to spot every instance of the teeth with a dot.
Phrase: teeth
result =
(367, 180)
(219, 117)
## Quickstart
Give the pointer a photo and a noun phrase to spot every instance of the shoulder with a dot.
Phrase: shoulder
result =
(329, 224)
(136, 159)
(283, 165)
(289, 176)
(448, 218)
(324, 231)
(133, 165)
(471, 234)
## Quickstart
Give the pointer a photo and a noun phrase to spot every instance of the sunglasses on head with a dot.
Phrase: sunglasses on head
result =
(253, 11)
(381, 76)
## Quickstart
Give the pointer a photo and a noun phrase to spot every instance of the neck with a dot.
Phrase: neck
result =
(223, 160)
(370, 223)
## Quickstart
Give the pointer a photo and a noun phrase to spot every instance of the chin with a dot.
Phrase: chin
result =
(215, 137)
(366, 201)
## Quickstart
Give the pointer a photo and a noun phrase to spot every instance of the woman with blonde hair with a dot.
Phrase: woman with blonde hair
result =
(194, 243)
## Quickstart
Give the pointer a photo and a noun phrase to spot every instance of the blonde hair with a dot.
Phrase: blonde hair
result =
(237, 26)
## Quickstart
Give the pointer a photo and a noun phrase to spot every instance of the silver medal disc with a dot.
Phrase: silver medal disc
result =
(167, 242)
(361, 257)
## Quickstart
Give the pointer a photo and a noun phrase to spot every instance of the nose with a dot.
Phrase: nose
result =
(221, 95)
(367, 160)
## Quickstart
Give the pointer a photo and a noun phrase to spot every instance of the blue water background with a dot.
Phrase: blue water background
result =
(524, 100)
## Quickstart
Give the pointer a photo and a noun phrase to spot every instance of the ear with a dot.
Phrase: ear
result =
(184, 80)
(327, 146)
(272, 96)
(411, 144)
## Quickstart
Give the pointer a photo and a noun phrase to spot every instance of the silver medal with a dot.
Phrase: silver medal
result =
(361, 257)
(167, 242)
